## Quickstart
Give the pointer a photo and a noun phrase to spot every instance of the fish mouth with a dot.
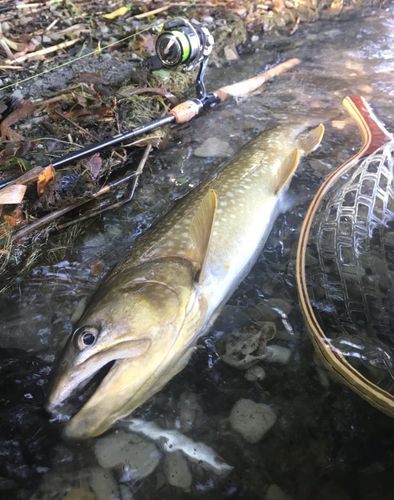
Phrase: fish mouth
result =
(74, 386)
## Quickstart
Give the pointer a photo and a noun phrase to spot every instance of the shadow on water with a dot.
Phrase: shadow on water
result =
(326, 443)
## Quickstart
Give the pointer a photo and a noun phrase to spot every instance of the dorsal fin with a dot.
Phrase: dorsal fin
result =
(308, 142)
(286, 170)
(201, 228)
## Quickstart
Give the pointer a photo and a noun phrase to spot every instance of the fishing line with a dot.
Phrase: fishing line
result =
(74, 60)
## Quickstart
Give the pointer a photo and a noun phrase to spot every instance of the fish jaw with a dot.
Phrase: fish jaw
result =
(146, 319)
(76, 374)
(122, 392)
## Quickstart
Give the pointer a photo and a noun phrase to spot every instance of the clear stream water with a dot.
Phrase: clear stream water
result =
(327, 443)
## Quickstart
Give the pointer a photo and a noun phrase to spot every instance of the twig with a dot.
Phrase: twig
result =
(42, 52)
(7, 51)
(139, 170)
(31, 5)
(151, 13)
(53, 23)
(76, 125)
(55, 215)
(120, 203)
(12, 67)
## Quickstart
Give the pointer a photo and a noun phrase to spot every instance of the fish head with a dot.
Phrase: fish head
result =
(137, 330)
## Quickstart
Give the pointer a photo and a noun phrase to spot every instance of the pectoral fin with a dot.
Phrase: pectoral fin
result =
(201, 228)
(287, 169)
(310, 141)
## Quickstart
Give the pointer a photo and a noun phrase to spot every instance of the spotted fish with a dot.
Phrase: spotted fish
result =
(148, 313)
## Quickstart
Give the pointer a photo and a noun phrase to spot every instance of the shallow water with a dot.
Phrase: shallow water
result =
(327, 442)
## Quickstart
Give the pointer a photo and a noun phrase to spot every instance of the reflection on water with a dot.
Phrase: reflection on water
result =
(322, 441)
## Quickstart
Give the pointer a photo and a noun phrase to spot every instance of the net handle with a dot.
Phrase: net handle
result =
(374, 136)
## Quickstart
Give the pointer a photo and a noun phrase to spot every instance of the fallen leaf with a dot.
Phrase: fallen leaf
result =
(18, 114)
(14, 117)
(15, 219)
(5, 155)
(97, 267)
(10, 221)
(88, 77)
(45, 179)
(94, 164)
(116, 13)
(12, 195)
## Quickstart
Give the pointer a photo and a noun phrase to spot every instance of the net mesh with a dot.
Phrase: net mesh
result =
(350, 266)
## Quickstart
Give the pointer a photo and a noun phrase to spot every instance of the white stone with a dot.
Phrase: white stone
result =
(275, 493)
(252, 420)
(278, 354)
(230, 53)
(255, 373)
(214, 147)
(131, 459)
(177, 471)
(255, 38)
(103, 484)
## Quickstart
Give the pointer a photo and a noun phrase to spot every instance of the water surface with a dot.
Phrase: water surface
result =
(327, 442)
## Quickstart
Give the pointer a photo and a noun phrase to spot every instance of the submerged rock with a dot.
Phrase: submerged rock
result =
(103, 484)
(80, 494)
(246, 347)
(255, 373)
(252, 420)
(128, 454)
(177, 471)
(214, 147)
(278, 354)
(276, 493)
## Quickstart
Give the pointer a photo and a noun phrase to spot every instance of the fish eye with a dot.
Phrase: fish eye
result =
(87, 336)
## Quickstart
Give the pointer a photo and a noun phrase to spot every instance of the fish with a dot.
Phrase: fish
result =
(170, 441)
(147, 315)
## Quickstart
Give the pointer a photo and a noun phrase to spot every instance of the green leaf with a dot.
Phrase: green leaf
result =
(162, 73)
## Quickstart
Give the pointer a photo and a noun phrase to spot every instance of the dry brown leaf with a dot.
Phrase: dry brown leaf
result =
(97, 267)
(6, 155)
(12, 195)
(45, 179)
(94, 164)
(18, 114)
(88, 77)
(14, 117)
(10, 221)
(15, 219)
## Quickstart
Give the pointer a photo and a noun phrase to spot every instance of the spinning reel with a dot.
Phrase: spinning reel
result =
(181, 42)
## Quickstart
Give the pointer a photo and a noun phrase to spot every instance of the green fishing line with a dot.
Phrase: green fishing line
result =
(74, 60)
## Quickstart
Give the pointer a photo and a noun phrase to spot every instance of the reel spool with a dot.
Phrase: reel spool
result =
(183, 43)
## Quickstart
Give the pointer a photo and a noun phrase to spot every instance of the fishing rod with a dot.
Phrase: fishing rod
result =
(180, 42)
